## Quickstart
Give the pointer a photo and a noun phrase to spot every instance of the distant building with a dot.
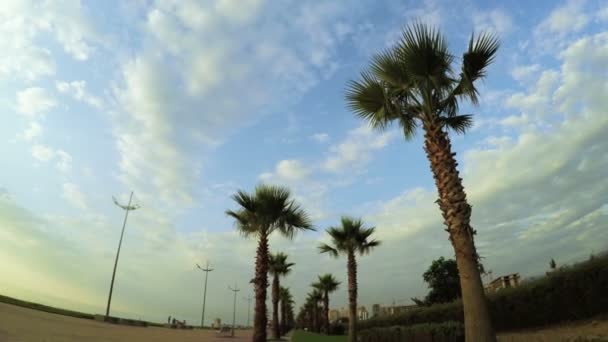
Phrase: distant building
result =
(217, 323)
(362, 313)
(335, 314)
(503, 282)
(378, 310)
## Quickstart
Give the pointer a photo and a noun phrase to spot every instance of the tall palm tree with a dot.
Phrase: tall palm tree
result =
(413, 83)
(286, 301)
(267, 209)
(278, 267)
(326, 284)
(350, 238)
(314, 298)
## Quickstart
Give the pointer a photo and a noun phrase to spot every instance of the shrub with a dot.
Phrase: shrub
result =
(337, 329)
(430, 332)
(571, 293)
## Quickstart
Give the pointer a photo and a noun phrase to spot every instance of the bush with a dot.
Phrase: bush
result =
(431, 332)
(337, 329)
(572, 293)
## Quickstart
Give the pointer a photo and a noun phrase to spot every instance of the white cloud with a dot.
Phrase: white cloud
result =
(64, 161)
(289, 170)
(175, 88)
(22, 32)
(524, 73)
(356, 149)
(43, 153)
(603, 14)
(567, 18)
(33, 131)
(34, 101)
(72, 194)
(496, 20)
(320, 137)
(77, 89)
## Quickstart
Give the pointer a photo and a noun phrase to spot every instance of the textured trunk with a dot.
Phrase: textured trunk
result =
(326, 311)
(283, 318)
(261, 283)
(275, 308)
(315, 318)
(352, 297)
(457, 215)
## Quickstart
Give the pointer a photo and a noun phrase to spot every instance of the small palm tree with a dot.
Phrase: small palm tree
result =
(286, 301)
(326, 284)
(267, 209)
(314, 298)
(414, 84)
(278, 267)
(350, 238)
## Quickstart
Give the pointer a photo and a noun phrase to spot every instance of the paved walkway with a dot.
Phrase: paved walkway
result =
(19, 324)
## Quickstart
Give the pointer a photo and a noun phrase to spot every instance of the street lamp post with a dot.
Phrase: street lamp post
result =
(235, 290)
(126, 208)
(206, 270)
(248, 299)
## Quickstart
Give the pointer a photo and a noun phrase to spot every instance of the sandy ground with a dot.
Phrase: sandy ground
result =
(19, 324)
(592, 330)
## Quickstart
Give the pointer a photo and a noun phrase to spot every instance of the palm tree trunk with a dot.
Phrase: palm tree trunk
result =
(283, 317)
(261, 283)
(457, 216)
(275, 308)
(315, 318)
(326, 312)
(352, 297)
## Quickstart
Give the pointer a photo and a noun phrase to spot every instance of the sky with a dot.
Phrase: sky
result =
(184, 102)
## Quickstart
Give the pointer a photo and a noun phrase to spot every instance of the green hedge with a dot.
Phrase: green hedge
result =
(571, 293)
(430, 332)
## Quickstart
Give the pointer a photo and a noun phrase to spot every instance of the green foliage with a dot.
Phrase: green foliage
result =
(571, 293)
(432, 332)
(338, 328)
(304, 336)
(350, 236)
(413, 83)
(278, 265)
(443, 280)
(267, 209)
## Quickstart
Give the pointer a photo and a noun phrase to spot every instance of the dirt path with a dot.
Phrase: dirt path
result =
(19, 324)
(594, 330)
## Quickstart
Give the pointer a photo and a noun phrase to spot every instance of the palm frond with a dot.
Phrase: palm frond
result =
(324, 248)
(458, 123)
(480, 54)
(387, 67)
(367, 98)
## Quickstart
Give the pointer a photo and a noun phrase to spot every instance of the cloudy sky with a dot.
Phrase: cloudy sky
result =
(184, 102)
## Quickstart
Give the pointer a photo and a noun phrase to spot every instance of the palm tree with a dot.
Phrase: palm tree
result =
(414, 84)
(326, 284)
(267, 209)
(350, 238)
(286, 301)
(278, 267)
(314, 298)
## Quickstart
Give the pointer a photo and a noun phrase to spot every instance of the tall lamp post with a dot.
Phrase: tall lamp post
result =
(248, 299)
(126, 208)
(235, 290)
(206, 270)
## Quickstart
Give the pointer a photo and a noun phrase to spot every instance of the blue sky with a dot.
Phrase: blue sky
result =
(184, 102)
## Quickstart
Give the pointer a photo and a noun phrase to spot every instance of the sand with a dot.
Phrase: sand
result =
(19, 324)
